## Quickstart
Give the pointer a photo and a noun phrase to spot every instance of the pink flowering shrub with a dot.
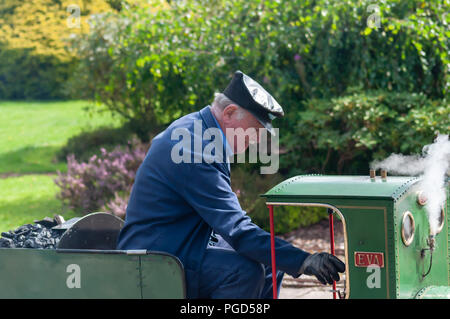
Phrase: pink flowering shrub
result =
(118, 205)
(104, 182)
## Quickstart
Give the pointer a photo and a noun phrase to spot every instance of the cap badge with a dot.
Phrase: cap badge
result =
(261, 96)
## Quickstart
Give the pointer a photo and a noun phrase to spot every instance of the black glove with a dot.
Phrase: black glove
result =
(324, 266)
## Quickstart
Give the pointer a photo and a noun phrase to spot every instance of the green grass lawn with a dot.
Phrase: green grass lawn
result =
(27, 198)
(31, 134)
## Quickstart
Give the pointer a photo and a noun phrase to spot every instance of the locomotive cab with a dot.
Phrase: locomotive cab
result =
(389, 250)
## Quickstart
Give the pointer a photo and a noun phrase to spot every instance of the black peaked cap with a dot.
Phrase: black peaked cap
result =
(250, 95)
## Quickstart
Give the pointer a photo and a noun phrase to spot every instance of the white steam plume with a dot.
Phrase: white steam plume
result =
(432, 165)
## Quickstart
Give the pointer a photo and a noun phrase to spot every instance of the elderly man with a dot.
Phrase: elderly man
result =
(185, 205)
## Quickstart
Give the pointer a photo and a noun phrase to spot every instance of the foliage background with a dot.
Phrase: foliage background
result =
(172, 60)
(34, 58)
(357, 79)
(353, 92)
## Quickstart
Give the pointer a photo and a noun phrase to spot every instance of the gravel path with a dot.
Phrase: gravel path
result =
(315, 238)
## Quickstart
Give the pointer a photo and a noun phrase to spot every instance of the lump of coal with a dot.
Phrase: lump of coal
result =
(6, 242)
(46, 222)
(39, 235)
(8, 235)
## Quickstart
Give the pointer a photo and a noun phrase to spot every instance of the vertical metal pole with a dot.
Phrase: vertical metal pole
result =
(330, 218)
(272, 252)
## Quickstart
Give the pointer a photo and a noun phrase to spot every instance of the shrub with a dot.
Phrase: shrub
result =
(344, 134)
(86, 144)
(118, 205)
(27, 75)
(34, 62)
(87, 187)
(248, 187)
(152, 67)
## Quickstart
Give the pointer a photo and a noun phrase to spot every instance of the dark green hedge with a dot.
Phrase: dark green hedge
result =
(343, 135)
(153, 67)
(34, 62)
(24, 75)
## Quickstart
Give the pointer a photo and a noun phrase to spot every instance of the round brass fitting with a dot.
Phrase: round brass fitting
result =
(421, 198)
(441, 221)
(408, 228)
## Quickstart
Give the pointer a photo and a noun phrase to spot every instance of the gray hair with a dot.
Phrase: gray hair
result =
(221, 101)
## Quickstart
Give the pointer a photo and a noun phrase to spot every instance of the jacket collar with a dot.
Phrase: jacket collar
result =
(207, 117)
(210, 121)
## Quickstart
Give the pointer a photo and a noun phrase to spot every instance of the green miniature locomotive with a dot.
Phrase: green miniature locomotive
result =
(389, 249)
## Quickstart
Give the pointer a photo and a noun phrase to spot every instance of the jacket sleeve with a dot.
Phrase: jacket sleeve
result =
(207, 189)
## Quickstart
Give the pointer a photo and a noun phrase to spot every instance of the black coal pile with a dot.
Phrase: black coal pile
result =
(37, 235)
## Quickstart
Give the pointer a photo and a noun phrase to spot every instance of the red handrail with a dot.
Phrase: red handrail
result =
(272, 249)
(272, 252)
(330, 218)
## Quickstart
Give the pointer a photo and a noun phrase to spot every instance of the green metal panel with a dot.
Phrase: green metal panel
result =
(340, 186)
(162, 277)
(47, 273)
(447, 210)
(368, 226)
(434, 292)
(410, 263)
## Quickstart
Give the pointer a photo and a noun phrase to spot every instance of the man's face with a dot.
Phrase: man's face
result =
(241, 128)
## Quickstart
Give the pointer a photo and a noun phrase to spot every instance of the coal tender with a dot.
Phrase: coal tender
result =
(93, 231)
(37, 235)
(53, 258)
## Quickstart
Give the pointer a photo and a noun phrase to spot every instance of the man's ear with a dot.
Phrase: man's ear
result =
(228, 112)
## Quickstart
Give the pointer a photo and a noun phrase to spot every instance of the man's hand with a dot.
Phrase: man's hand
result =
(324, 266)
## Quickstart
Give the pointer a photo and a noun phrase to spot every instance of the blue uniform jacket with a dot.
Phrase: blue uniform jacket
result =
(174, 207)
